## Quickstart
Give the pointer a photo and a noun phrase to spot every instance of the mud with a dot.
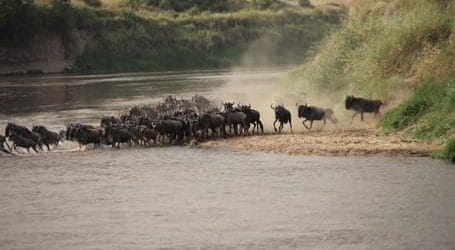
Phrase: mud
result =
(341, 142)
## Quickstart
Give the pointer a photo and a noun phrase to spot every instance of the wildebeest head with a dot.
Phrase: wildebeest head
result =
(228, 106)
(302, 110)
(9, 128)
(348, 101)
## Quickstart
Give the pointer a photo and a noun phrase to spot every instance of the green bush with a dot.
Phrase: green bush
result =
(20, 20)
(447, 152)
(179, 5)
(305, 3)
(428, 114)
(93, 3)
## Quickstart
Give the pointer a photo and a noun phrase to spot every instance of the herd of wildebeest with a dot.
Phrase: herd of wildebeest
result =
(173, 121)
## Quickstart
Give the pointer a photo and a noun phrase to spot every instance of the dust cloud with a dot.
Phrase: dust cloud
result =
(279, 90)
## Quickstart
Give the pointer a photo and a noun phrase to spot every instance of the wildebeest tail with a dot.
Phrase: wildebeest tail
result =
(330, 115)
(261, 126)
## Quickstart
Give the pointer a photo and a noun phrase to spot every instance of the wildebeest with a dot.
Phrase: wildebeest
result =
(171, 128)
(116, 135)
(84, 134)
(361, 105)
(72, 128)
(23, 142)
(212, 121)
(252, 117)
(312, 113)
(147, 135)
(107, 121)
(283, 116)
(23, 132)
(3, 142)
(234, 118)
(47, 137)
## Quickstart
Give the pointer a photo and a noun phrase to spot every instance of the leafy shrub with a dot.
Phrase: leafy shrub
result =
(19, 21)
(305, 3)
(93, 3)
(447, 152)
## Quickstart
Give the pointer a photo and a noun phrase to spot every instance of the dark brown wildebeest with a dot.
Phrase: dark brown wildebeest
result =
(312, 113)
(47, 137)
(283, 116)
(23, 142)
(361, 105)
(23, 132)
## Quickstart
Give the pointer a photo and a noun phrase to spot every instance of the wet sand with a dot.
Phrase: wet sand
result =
(342, 142)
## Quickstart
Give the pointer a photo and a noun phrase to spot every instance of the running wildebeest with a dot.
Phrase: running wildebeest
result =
(361, 105)
(72, 128)
(23, 132)
(116, 135)
(212, 121)
(47, 137)
(85, 134)
(3, 142)
(252, 117)
(23, 142)
(234, 118)
(312, 113)
(283, 116)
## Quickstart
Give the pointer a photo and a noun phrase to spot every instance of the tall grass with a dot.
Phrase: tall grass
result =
(385, 47)
(150, 40)
(371, 48)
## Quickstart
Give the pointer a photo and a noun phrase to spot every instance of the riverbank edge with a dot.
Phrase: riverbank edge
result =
(349, 142)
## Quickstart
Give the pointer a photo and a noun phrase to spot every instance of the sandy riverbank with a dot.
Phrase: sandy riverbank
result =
(329, 142)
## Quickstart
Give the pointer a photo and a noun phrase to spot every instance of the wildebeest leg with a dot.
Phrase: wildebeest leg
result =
(262, 126)
(274, 125)
(48, 148)
(34, 148)
(28, 150)
(361, 116)
(305, 124)
(311, 124)
(7, 145)
(353, 118)
(281, 127)
(290, 125)
(6, 151)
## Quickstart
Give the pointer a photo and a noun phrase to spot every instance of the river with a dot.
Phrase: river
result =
(191, 198)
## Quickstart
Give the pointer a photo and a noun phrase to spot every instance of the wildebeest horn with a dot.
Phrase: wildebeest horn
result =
(271, 106)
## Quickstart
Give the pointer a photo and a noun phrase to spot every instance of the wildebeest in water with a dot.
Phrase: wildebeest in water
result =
(361, 105)
(47, 137)
(3, 142)
(23, 142)
(24, 132)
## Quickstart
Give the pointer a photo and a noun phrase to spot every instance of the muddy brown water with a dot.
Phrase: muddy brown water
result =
(191, 198)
